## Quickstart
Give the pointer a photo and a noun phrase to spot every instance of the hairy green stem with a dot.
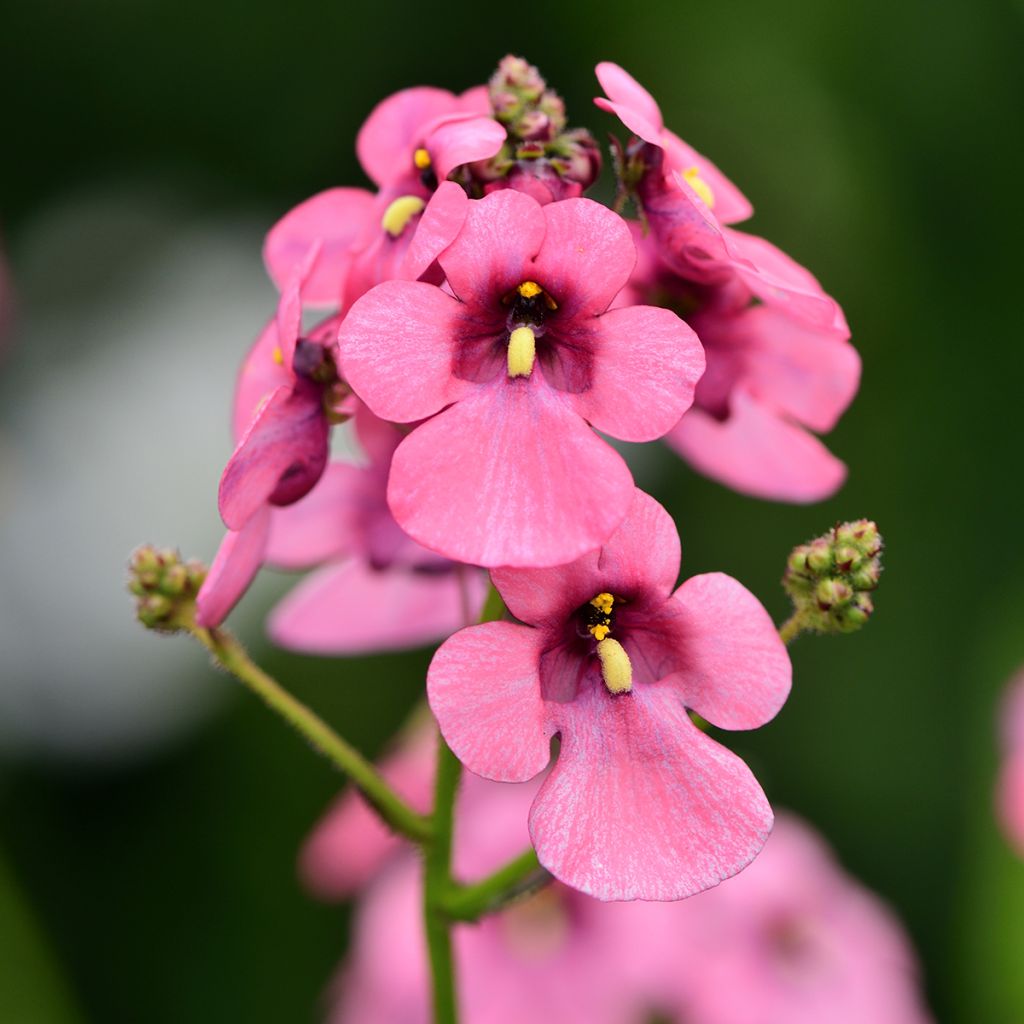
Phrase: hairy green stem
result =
(231, 655)
(437, 882)
(791, 628)
(513, 880)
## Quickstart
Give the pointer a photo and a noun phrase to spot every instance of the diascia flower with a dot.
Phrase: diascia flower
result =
(640, 803)
(409, 144)
(1010, 790)
(511, 365)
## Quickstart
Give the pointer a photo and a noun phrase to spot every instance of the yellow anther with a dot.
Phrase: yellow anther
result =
(700, 186)
(278, 356)
(522, 350)
(529, 289)
(616, 669)
(398, 214)
(603, 603)
(421, 158)
(600, 632)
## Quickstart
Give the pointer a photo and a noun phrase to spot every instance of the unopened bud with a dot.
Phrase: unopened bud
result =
(829, 579)
(165, 586)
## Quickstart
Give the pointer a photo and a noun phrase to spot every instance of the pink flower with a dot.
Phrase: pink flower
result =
(377, 588)
(791, 940)
(640, 804)
(510, 372)
(557, 955)
(1010, 787)
(373, 588)
(688, 202)
(771, 381)
(409, 144)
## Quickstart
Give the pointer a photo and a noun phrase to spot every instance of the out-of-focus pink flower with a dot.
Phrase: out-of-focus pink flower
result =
(1010, 786)
(409, 145)
(376, 588)
(640, 804)
(556, 955)
(790, 940)
(523, 359)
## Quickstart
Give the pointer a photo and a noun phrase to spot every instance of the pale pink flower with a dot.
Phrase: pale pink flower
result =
(640, 804)
(1010, 786)
(511, 372)
(790, 940)
(409, 144)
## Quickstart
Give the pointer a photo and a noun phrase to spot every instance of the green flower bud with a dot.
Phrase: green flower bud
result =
(829, 579)
(165, 586)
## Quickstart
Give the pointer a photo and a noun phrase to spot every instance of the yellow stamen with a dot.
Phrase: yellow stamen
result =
(278, 355)
(616, 669)
(529, 289)
(398, 214)
(421, 158)
(700, 186)
(522, 350)
(603, 603)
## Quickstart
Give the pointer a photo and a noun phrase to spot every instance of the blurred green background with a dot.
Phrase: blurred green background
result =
(148, 837)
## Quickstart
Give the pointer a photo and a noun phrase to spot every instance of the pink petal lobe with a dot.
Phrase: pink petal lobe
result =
(483, 483)
(354, 608)
(261, 373)
(438, 227)
(495, 248)
(484, 689)
(779, 280)
(463, 139)
(736, 672)
(641, 804)
(325, 524)
(586, 258)
(1010, 799)
(807, 373)
(730, 204)
(646, 365)
(756, 452)
(643, 554)
(388, 137)
(338, 217)
(234, 567)
(280, 458)
(396, 347)
(630, 102)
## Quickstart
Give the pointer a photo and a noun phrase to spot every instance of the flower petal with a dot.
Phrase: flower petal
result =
(586, 257)
(779, 280)
(483, 686)
(756, 452)
(338, 217)
(494, 251)
(280, 458)
(509, 476)
(325, 524)
(641, 804)
(462, 139)
(641, 555)
(735, 671)
(353, 608)
(396, 347)
(730, 204)
(634, 106)
(438, 227)
(645, 368)
(807, 373)
(386, 141)
(261, 373)
(234, 567)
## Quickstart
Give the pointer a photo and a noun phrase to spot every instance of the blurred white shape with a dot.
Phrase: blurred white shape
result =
(114, 427)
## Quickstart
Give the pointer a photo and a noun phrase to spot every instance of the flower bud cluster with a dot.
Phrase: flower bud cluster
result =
(538, 144)
(164, 586)
(830, 578)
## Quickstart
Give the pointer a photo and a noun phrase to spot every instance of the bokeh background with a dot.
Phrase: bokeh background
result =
(150, 813)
